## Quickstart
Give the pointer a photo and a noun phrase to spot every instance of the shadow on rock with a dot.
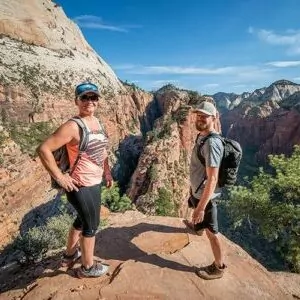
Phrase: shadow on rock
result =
(115, 243)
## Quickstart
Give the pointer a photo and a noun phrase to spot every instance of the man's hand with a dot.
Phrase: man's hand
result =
(108, 179)
(198, 216)
(67, 183)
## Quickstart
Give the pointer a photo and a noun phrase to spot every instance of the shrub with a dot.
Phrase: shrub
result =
(110, 197)
(59, 227)
(271, 205)
(34, 243)
(164, 205)
(29, 136)
(37, 241)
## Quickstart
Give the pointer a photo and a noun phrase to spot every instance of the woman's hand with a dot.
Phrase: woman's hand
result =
(108, 179)
(68, 183)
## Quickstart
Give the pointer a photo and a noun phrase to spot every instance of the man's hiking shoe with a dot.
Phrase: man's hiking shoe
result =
(211, 272)
(96, 270)
(70, 260)
(191, 226)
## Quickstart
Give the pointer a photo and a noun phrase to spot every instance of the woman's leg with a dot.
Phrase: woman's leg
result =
(72, 241)
(87, 204)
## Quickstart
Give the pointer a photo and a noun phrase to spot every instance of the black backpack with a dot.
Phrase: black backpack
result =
(61, 154)
(230, 162)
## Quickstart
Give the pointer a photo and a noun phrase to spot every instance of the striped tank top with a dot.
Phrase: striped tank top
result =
(89, 169)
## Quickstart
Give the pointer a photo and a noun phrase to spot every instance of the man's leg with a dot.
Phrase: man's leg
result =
(216, 269)
(215, 246)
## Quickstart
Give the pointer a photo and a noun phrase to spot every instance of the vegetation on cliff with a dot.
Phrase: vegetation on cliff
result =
(268, 209)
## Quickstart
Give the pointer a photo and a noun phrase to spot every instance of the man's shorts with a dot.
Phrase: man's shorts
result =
(210, 215)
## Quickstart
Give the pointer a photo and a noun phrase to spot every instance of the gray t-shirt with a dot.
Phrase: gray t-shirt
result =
(212, 152)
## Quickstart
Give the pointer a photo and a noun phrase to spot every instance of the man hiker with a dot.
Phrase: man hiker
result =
(204, 191)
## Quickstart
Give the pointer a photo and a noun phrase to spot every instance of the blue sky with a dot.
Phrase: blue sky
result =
(204, 45)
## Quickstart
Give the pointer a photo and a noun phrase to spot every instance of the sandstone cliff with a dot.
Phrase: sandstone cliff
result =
(277, 91)
(43, 56)
(161, 174)
(269, 128)
(150, 258)
(151, 136)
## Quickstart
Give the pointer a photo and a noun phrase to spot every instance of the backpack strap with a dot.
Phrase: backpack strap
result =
(83, 131)
(101, 128)
(202, 142)
(199, 155)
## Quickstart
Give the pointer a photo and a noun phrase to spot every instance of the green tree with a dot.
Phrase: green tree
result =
(164, 205)
(271, 204)
(110, 197)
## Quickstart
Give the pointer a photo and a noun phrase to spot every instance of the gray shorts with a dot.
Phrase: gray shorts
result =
(210, 215)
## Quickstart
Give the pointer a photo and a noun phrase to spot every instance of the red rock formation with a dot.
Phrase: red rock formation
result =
(268, 129)
(150, 258)
(24, 184)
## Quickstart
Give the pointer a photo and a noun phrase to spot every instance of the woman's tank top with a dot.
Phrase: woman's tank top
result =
(89, 169)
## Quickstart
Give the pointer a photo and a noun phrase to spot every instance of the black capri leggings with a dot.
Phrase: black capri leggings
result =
(87, 203)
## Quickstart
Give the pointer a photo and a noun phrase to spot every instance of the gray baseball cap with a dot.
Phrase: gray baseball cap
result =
(207, 108)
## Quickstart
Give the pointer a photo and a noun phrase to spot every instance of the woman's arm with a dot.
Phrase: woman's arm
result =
(64, 134)
(107, 173)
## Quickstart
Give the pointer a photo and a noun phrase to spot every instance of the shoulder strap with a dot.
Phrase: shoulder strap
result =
(83, 131)
(101, 128)
(199, 155)
(212, 134)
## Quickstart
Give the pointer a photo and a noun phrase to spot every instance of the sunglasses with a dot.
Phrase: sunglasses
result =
(86, 98)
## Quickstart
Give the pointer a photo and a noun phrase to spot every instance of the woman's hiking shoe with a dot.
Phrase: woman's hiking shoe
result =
(211, 272)
(191, 226)
(96, 270)
(70, 260)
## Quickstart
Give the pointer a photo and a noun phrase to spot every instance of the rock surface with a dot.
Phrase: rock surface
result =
(149, 258)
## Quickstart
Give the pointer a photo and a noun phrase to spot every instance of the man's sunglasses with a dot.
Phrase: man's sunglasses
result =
(86, 98)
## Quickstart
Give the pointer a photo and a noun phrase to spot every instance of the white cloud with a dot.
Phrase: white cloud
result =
(237, 86)
(240, 73)
(94, 22)
(290, 39)
(174, 70)
(186, 70)
(210, 85)
(160, 83)
(284, 64)
(124, 67)
(250, 30)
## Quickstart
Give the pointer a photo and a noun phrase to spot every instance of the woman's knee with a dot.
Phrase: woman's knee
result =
(89, 232)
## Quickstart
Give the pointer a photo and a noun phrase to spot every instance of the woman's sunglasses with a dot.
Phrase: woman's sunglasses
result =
(86, 98)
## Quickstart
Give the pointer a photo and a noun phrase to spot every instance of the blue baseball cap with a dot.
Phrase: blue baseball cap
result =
(85, 88)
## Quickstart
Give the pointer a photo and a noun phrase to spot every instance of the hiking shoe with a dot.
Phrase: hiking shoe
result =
(211, 272)
(96, 270)
(69, 260)
(191, 226)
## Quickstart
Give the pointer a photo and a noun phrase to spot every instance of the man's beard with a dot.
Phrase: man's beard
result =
(201, 126)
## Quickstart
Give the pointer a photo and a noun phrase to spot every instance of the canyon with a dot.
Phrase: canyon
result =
(43, 55)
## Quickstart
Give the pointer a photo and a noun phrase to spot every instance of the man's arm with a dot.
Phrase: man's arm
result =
(210, 186)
